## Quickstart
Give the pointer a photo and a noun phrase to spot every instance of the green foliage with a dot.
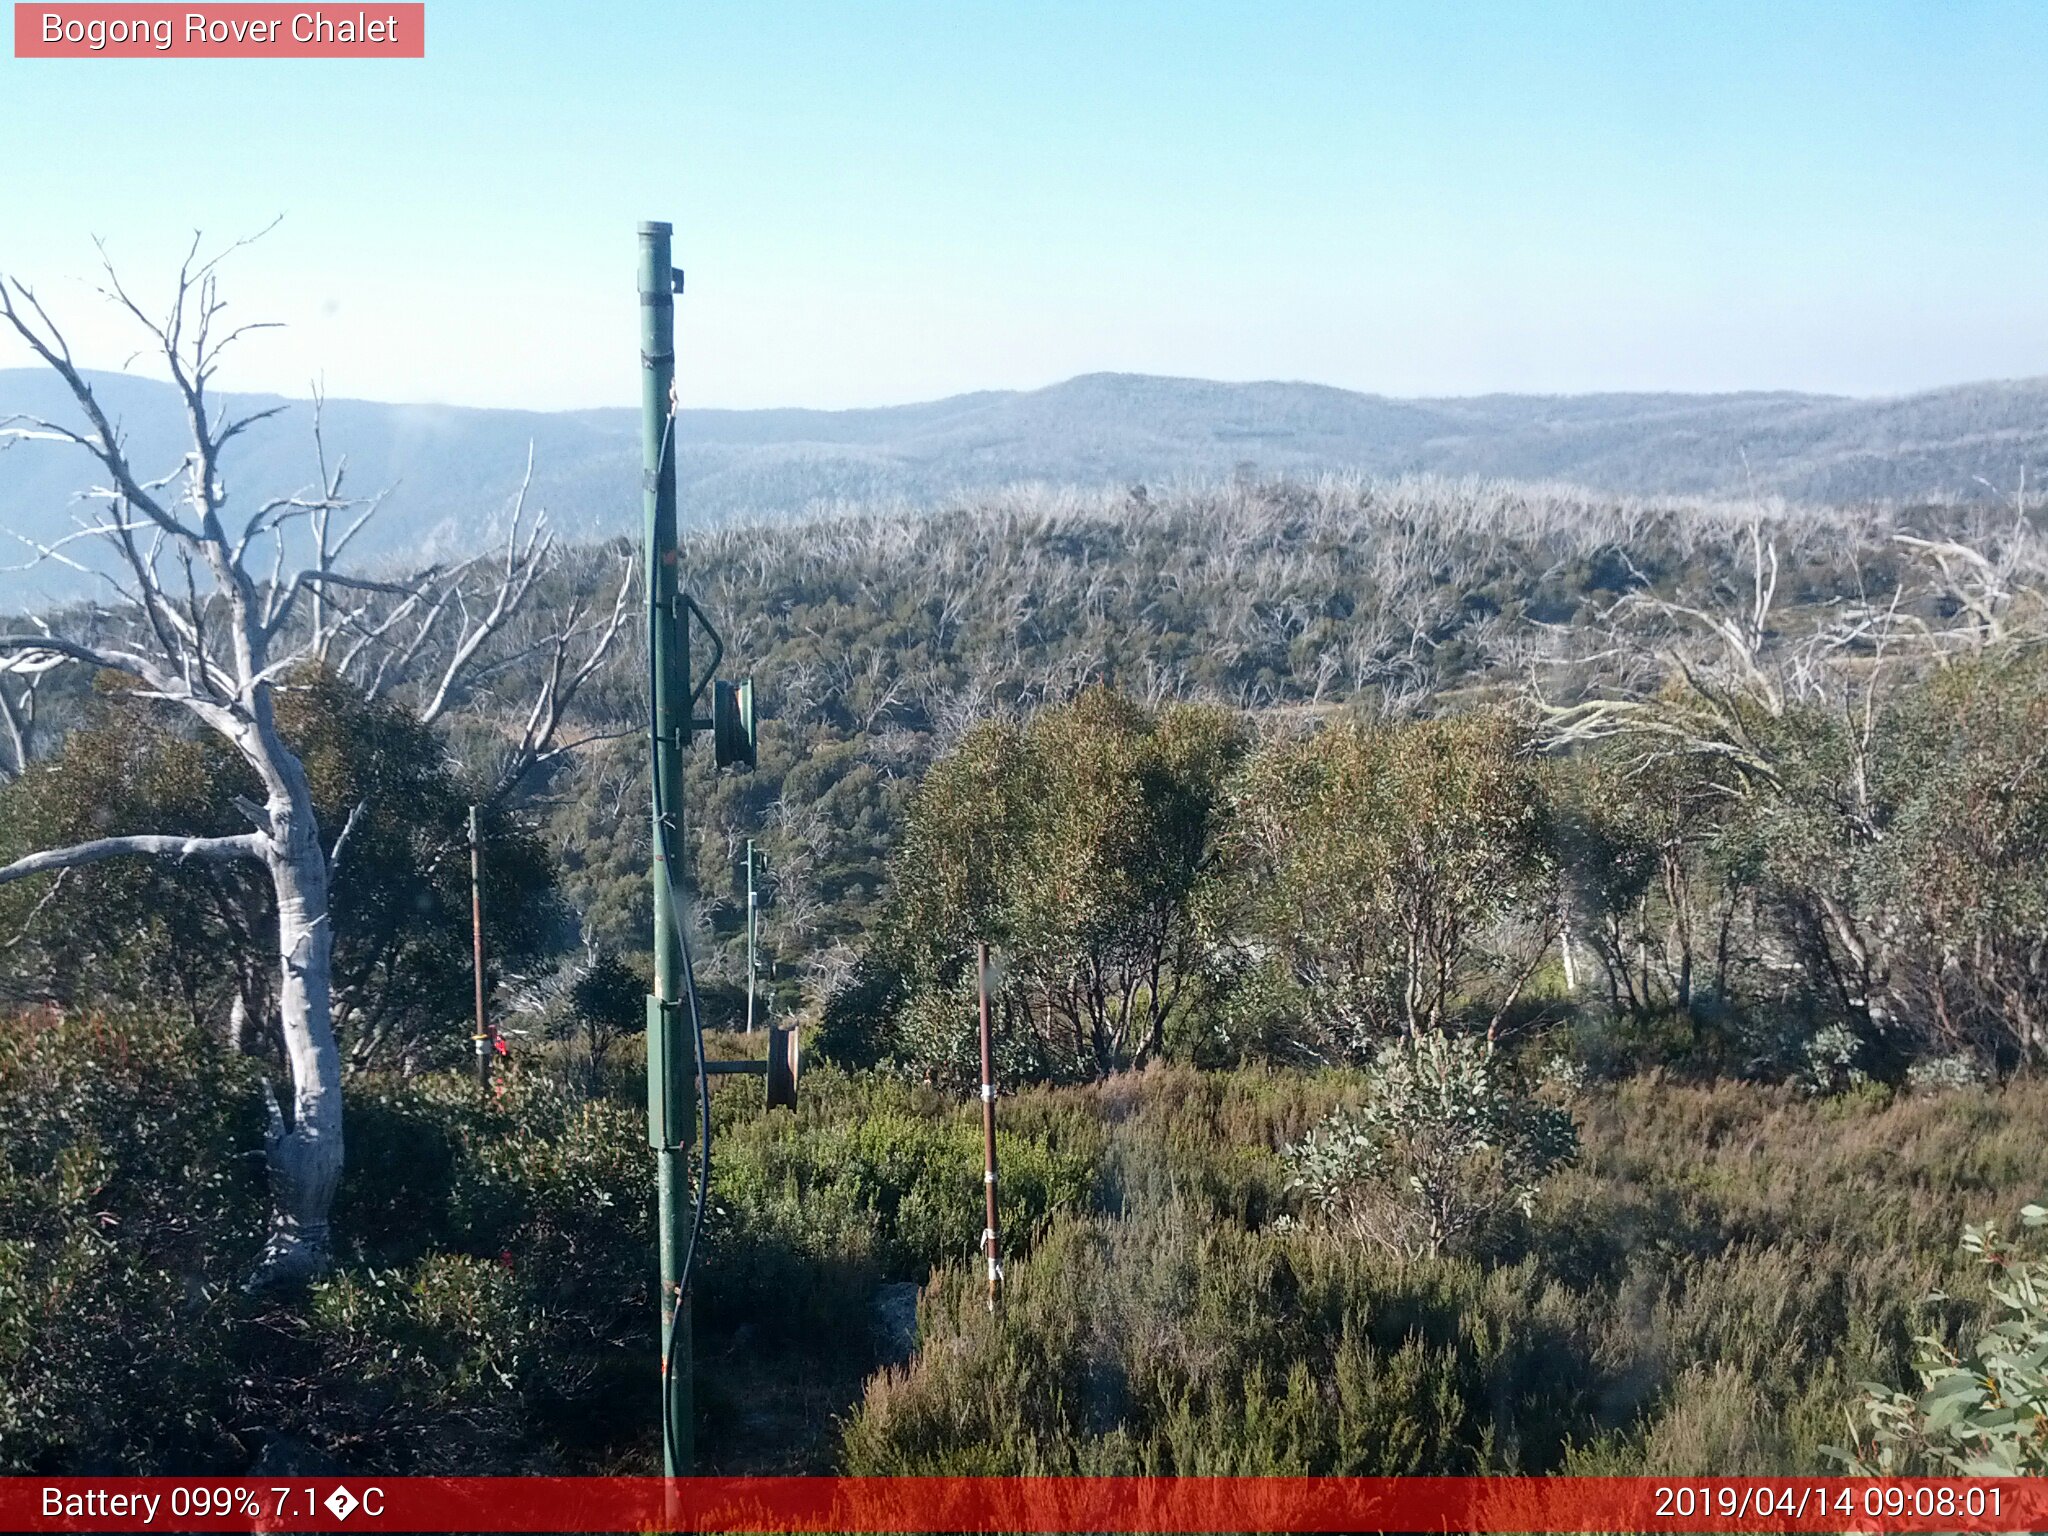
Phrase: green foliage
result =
(132, 928)
(493, 1313)
(1076, 844)
(1728, 895)
(871, 1179)
(401, 903)
(1833, 907)
(204, 932)
(1398, 876)
(1983, 1413)
(1167, 1345)
(1659, 857)
(120, 1189)
(1957, 888)
(1698, 1292)
(607, 1002)
(1447, 1141)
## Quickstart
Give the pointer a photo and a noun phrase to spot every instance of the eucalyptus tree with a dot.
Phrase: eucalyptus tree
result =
(1881, 751)
(1396, 878)
(1078, 844)
(215, 607)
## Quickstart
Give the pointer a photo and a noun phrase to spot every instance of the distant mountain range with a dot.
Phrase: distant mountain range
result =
(453, 469)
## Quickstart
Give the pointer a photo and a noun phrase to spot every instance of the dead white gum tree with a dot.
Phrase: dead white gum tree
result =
(193, 624)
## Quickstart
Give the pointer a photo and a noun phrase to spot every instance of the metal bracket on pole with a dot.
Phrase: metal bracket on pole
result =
(687, 609)
(735, 737)
(781, 1067)
(669, 1101)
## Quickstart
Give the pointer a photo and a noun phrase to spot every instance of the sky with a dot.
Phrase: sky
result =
(887, 201)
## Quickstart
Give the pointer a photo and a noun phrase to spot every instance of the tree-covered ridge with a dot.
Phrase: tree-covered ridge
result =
(1691, 680)
(878, 640)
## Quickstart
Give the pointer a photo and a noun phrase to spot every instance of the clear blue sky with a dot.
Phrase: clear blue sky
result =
(882, 201)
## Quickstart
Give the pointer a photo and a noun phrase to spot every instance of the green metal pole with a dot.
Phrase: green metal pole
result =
(671, 1105)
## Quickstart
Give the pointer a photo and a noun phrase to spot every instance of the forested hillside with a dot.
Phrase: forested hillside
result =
(879, 644)
(1489, 979)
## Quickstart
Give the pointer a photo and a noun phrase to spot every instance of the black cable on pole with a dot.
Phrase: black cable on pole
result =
(663, 851)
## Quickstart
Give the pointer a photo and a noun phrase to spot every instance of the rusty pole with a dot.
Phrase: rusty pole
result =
(482, 1038)
(988, 1129)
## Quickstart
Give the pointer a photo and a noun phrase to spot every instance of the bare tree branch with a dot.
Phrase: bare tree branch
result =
(246, 845)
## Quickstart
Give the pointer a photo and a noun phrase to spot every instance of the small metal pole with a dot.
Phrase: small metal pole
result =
(988, 1129)
(750, 935)
(482, 1038)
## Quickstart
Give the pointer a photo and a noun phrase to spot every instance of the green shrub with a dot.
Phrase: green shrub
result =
(124, 1207)
(1983, 1413)
(1701, 1289)
(1448, 1140)
(871, 1178)
(1396, 877)
(1167, 1344)
(431, 1360)
(494, 1303)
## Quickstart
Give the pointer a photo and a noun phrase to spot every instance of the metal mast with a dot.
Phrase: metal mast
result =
(671, 1109)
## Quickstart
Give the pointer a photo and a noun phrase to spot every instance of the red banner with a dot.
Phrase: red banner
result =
(1022, 1504)
(240, 31)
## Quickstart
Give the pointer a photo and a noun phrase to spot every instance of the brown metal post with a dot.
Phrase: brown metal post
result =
(988, 1129)
(482, 1038)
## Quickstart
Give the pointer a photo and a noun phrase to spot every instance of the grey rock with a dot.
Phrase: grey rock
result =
(894, 1312)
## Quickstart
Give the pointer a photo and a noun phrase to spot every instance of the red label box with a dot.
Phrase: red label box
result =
(1137, 1505)
(106, 29)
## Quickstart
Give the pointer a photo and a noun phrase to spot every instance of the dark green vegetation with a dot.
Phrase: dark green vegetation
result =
(1720, 836)
(1701, 1293)
(194, 934)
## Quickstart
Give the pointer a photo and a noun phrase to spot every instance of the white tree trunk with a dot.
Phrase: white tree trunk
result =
(305, 1156)
(219, 653)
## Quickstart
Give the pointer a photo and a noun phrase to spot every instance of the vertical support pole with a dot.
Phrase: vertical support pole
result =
(750, 935)
(482, 1038)
(670, 1070)
(988, 1127)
